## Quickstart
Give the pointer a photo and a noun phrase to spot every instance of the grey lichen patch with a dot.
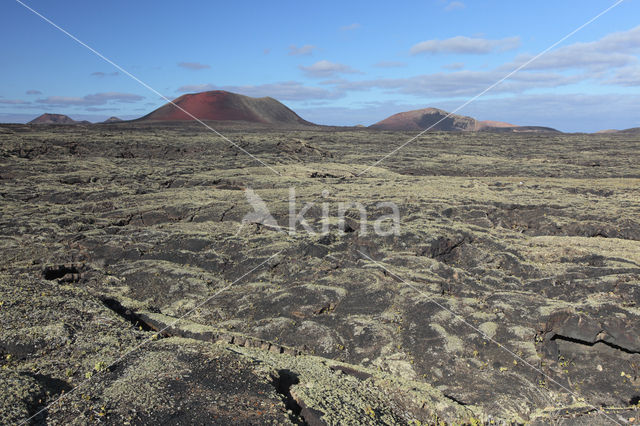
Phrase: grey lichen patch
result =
(524, 333)
(393, 360)
(452, 343)
(339, 291)
(326, 339)
(489, 329)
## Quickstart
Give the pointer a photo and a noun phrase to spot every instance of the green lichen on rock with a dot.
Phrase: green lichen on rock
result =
(532, 239)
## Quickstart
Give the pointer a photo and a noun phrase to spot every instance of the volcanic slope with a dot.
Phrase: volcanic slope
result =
(442, 121)
(53, 119)
(225, 106)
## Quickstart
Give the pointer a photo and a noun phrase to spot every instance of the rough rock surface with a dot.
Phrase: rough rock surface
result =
(509, 294)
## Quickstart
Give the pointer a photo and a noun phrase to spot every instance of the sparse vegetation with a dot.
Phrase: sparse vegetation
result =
(531, 239)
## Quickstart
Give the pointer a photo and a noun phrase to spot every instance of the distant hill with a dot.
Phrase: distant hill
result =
(112, 120)
(521, 129)
(422, 119)
(220, 105)
(632, 131)
(53, 119)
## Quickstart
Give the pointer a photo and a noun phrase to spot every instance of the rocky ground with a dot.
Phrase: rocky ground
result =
(508, 295)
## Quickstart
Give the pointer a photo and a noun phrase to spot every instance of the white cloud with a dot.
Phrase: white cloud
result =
(99, 109)
(458, 83)
(462, 44)
(288, 91)
(12, 117)
(193, 66)
(612, 51)
(390, 64)
(350, 27)
(454, 66)
(90, 100)
(323, 69)
(455, 5)
(622, 41)
(611, 60)
(13, 102)
(194, 88)
(627, 76)
(104, 74)
(574, 57)
(307, 49)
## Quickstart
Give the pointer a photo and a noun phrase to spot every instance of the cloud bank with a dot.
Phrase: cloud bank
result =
(468, 45)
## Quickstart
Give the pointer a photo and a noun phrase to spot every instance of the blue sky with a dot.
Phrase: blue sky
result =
(341, 63)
